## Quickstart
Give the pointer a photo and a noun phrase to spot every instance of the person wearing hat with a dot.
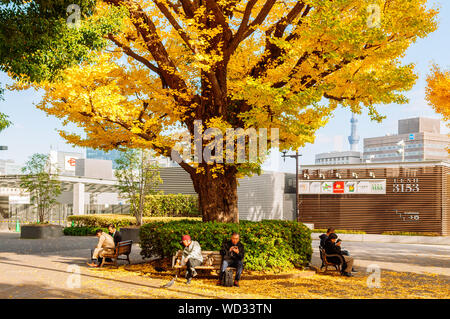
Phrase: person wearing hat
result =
(191, 257)
(333, 246)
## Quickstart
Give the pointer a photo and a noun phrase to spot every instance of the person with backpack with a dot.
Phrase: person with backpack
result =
(232, 256)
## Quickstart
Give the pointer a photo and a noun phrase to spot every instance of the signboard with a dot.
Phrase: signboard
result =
(338, 187)
(314, 188)
(378, 187)
(363, 188)
(303, 187)
(372, 186)
(411, 137)
(69, 163)
(327, 187)
(350, 188)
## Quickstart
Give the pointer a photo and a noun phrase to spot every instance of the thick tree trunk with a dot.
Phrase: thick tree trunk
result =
(217, 196)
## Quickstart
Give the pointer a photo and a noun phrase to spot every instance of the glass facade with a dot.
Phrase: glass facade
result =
(99, 154)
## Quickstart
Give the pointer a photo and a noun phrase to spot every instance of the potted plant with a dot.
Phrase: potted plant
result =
(137, 177)
(40, 181)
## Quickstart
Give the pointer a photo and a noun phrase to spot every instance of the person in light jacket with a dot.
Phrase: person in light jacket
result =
(105, 245)
(191, 257)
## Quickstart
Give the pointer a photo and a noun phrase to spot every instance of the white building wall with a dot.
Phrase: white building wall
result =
(261, 197)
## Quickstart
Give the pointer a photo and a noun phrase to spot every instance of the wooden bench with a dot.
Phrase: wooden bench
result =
(212, 260)
(122, 248)
(326, 262)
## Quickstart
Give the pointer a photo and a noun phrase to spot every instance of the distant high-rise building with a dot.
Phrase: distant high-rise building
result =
(418, 139)
(343, 157)
(353, 139)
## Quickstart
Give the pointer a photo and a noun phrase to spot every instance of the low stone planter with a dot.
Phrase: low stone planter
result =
(130, 233)
(43, 231)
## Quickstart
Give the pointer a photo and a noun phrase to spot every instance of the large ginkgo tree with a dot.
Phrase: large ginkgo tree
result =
(133, 72)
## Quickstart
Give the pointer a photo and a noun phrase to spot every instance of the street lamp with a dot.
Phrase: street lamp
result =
(296, 156)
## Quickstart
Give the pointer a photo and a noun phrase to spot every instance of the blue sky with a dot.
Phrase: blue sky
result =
(33, 131)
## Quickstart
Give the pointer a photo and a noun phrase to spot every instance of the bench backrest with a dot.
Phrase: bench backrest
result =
(124, 247)
(210, 258)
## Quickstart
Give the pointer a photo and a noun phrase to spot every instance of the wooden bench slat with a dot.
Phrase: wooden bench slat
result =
(207, 256)
(122, 248)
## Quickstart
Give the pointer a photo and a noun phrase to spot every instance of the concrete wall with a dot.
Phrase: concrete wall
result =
(176, 181)
(94, 168)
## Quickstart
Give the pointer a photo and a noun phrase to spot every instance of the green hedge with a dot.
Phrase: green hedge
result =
(81, 231)
(269, 244)
(171, 205)
(103, 220)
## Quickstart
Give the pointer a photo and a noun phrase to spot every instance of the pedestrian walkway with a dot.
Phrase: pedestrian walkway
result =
(415, 258)
(34, 268)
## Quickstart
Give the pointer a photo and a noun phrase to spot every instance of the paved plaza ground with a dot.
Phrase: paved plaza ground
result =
(34, 268)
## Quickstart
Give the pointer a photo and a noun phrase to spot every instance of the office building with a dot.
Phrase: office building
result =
(418, 139)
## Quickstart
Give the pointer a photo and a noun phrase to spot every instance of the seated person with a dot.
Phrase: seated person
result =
(232, 255)
(105, 245)
(191, 257)
(115, 234)
(324, 237)
(332, 246)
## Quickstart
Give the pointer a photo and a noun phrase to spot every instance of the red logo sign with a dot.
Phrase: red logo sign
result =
(338, 187)
(71, 161)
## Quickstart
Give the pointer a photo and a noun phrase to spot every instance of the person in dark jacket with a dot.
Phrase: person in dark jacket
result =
(324, 237)
(333, 246)
(232, 256)
(115, 234)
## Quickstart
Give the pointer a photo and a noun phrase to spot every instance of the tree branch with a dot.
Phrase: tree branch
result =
(174, 23)
(218, 13)
(128, 51)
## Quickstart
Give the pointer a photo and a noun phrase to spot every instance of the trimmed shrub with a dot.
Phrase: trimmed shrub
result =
(103, 220)
(82, 231)
(269, 244)
(171, 205)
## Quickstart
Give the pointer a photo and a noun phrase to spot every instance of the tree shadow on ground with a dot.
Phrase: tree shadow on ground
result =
(101, 294)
